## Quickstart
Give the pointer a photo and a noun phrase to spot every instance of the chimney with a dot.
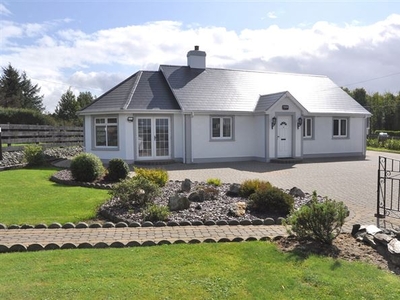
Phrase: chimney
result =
(196, 59)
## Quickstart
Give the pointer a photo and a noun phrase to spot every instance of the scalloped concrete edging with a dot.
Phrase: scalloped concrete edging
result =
(116, 244)
(83, 225)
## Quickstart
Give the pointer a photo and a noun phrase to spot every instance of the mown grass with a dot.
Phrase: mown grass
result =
(28, 197)
(250, 270)
(381, 149)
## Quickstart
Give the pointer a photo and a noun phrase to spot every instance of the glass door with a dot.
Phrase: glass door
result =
(153, 138)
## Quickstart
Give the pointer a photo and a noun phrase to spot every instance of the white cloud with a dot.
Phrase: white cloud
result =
(4, 11)
(61, 57)
(272, 15)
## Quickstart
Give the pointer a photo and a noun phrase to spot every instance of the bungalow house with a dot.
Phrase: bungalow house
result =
(195, 114)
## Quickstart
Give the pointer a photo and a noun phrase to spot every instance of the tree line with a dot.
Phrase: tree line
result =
(21, 102)
(385, 108)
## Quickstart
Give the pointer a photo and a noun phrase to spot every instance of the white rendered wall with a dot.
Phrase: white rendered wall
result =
(324, 142)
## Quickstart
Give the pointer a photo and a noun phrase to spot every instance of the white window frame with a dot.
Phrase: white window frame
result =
(106, 121)
(308, 128)
(221, 128)
(339, 121)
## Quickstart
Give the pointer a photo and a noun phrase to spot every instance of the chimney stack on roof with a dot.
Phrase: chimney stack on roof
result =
(196, 59)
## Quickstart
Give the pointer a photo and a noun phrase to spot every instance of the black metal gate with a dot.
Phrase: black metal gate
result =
(388, 200)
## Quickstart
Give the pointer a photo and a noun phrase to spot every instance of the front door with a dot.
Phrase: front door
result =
(284, 141)
(153, 138)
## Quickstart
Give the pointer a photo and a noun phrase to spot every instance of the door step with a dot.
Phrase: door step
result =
(154, 162)
(286, 160)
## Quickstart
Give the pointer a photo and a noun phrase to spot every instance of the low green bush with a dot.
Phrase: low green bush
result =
(118, 169)
(33, 155)
(158, 176)
(250, 186)
(214, 181)
(86, 167)
(319, 221)
(137, 191)
(392, 144)
(156, 213)
(271, 200)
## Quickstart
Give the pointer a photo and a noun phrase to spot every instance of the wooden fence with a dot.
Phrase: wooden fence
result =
(13, 135)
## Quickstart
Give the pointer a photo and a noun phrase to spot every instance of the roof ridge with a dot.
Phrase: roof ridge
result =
(133, 90)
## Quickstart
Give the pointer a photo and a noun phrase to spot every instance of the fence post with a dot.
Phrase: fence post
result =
(1, 147)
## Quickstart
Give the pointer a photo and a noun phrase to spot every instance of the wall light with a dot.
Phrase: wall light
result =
(273, 122)
(129, 119)
(299, 122)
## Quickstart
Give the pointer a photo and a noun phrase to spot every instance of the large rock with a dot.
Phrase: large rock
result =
(296, 192)
(197, 196)
(234, 190)
(237, 209)
(186, 186)
(178, 202)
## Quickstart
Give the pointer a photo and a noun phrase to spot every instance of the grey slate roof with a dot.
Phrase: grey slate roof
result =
(142, 91)
(223, 90)
(238, 90)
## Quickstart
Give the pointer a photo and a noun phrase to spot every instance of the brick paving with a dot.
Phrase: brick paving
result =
(353, 182)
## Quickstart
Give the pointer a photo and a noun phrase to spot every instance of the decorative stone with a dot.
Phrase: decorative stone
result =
(186, 185)
(210, 223)
(296, 192)
(4, 249)
(68, 225)
(237, 240)
(172, 223)
(134, 224)
(197, 196)
(234, 190)
(209, 241)
(179, 242)
(85, 246)
(383, 238)
(117, 245)
(18, 248)
(52, 246)
(14, 226)
(394, 246)
(101, 245)
(27, 226)
(251, 238)
(148, 243)
(224, 240)
(194, 241)
(372, 229)
(233, 222)
(178, 202)
(69, 246)
(133, 244)
(237, 209)
(164, 242)
(185, 223)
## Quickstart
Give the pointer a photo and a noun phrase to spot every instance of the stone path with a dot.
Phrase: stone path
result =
(353, 182)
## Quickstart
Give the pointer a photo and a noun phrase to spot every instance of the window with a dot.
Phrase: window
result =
(307, 128)
(106, 132)
(221, 128)
(340, 127)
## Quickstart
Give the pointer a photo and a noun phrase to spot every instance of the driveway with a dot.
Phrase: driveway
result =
(352, 181)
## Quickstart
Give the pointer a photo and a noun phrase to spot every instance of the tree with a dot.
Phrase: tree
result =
(67, 107)
(84, 99)
(17, 91)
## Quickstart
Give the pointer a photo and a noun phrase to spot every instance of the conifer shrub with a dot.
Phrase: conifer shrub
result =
(320, 221)
(250, 186)
(271, 200)
(118, 169)
(86, 167)
(33, 155)
(156, 213)
(158, 176)
(136, 191)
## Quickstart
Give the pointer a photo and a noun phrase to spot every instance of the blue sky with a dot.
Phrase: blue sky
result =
(93, 45)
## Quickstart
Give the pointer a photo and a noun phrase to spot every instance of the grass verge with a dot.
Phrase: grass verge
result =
(380, 149)
(250, 270)
(28, 197)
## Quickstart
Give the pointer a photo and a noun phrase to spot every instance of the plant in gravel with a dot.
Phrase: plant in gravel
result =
(154, 213)
(250, 186)
(158, 176)
(214, 181)
(118, 169)
(271, 200)
(137, 191)
(86, 167)
(33, 155)
(321, 221)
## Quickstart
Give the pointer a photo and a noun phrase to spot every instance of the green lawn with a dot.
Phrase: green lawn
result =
(380, 149)
(28, 197)
(248, 270)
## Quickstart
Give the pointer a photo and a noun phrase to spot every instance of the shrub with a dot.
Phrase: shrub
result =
(158, 176)
(156, 213)
(33, 155)
(271, 200)
(373, 143)
(392, 144)
(214, 181)
(319, 221)
(118, 169)
(250, 186)
(136, 191)
(86, 167)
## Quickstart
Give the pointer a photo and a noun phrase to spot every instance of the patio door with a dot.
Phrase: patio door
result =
(284, 141)
(153, 138)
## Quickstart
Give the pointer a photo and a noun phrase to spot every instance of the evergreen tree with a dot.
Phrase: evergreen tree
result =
(67, 107)
(84, 99)
(30, 94)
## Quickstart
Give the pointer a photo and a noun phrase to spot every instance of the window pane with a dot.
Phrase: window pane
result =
(308, 126)
(335, 127)
(101, 136)
(343, 127)
(216, 127)
(227, 127)
(100, 121)
(112, 120)
(112, 136)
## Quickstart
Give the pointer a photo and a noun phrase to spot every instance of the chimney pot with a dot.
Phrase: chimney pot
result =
(196, 48)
